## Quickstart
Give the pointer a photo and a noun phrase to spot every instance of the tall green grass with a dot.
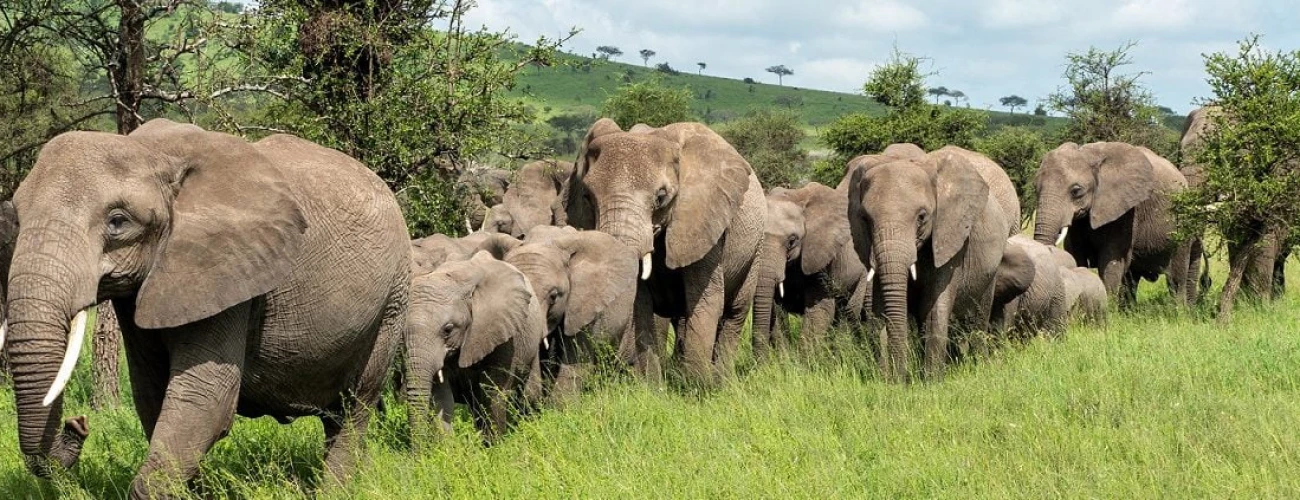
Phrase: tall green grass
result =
(1155, 404)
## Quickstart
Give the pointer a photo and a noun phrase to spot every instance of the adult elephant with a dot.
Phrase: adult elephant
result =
(1000, 186)
(479, 188)
(691, 206)
(1109, 202)
(807, 265)
(8, 238)
(586, 282)
(533, 199)
(262, 279)
(934, 216)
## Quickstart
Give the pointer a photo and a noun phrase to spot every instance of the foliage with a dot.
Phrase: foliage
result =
(1250, 153)
(780, 71)
(568, 129)
(649, 102)
(665, 68)
(609, 51)
(646, 54)
(1013, 101)
(702, 67)
(769, 140)
(1103, 104)
(424, 103)
(938, 92)
(1019, 151)
(898, 83)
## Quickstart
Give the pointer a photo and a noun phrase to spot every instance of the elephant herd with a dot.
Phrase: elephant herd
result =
(277, 278)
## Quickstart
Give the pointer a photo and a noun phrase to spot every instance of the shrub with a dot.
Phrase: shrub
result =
(649, 102)
(1019, 151)
(769, 140)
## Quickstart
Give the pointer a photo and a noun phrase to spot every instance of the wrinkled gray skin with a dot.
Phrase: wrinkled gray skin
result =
(268, 278)
(1092, 300)
(1000, 186)
(806, 266)
(535, 198)
(8, 238)
(937, 215)
(1014, 276)
(898, 151)
(586, 282)
(1045, 304)
(472, 337)
(435, 250)
(1265, 273)
(1114, 198)
(684, 196)
(481, 187)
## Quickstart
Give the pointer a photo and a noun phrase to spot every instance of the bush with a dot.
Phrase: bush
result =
(769, 140)
(930, 127)
(1019, 151)
(649, 102)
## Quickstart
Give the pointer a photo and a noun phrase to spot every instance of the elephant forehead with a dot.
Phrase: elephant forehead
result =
(631, 155)
(784, 217)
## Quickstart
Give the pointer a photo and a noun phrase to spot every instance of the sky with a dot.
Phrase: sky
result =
(986, 48)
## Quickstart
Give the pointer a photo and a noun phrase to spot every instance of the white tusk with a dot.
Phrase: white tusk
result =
(487, 218)
(780, 289)
(76, 335)
(1061, 238)
(440, 379)
(468, 227)
(546, 343)
(645, 266)
(3, 327)
(912, 269)
(871, 273)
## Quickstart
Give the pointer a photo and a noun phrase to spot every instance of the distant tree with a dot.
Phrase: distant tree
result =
(1013, 101)
(957, 96)
(1103, 104)
(769, 140)
(229, 7)
(649, 102)
(1039, 110)
(646, 54)
(702, 66)
(608, 52)
(749, 80)
(663, 67)
(780, 71)
(938, 92)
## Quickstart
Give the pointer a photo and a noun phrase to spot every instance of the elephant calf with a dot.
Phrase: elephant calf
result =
(472, 336)
(1044, 304)
(535, 198)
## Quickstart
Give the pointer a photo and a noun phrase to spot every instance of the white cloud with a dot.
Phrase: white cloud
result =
(795, 46)
(841, 74)
(1154, 14)
(882, 16)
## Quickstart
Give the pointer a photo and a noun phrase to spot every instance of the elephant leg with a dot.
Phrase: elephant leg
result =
(207, 360)
(1178, 273)
(1195, 251)
(1113, 268)
(444, 406)
(345, 430)
(347, 442)
(818, 314)
(491, 407)
(733, 323)
(1279, 272)
(148, 366)
(936, 307)
(576, 359)
(648, 342)
(700, 332)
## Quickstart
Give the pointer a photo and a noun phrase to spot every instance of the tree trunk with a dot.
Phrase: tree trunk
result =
(128, 72)
(107, 345)
(1237, 263)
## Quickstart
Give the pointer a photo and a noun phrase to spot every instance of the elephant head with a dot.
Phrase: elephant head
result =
(682, 177)
(533, 199)
(1101, 181)
(1015, 275)
(432, 251)
(173, 223)
(892, 152)
(908, 217)
(579, 277)
(479, 188)
(497, 219)
(459, 316)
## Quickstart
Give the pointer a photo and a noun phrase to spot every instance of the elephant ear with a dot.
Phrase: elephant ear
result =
(855, 183)
(602, 278)
(496, 245)
(826, 226)
(236, 228)
(712, 181)
(499, 308)
(1015, 273)
(960, 197)
(578, 210)
(864, 163)
(1125, 179)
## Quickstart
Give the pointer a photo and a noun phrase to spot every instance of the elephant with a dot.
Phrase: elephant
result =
(1045, 304)
(8, 238)
(264, 279)
(533, 199)
(904, 150)
(935, 217)
(1265, 272)
(1109, 203)
(682, 198)
(1090, 300)
(586, 282)
(1014, 276)
(478, 188)
(1000, 186)
(806, 265)
(435, 250)
(472, 336)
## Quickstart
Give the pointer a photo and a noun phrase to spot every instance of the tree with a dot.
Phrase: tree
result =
(646, 54)
(898, 83)
(1250, 156)
(649, 102)
(780, 71)
(769, 140)
(608, 52)
(1039, 110)
(938, 92)
(702, 66)
(1019, 150)
(1103, 104)
(957, 96)
(664, 67)
(1013, 101)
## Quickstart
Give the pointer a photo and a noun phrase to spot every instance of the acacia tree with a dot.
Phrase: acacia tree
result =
(608, 52)
(1013, 101)
(780, 71)
(1103, 104)
(1250, 156)
(938, 92)
(702, 66)
(957, 96)
(646, 54)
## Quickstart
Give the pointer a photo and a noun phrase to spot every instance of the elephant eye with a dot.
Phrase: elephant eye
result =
(555, 293)
(661, 197)
(921, 216)
(116, 223)
(790, 242)
(1076, 191)
(447, 328)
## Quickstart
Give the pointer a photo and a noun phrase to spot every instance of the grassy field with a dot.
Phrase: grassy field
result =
(1156, 404)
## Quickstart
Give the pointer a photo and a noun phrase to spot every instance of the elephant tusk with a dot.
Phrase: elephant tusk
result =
(912, 269)
(645, 266)
(440, 379)
(780, 290)
(546, 343)
(469, 228)
(487, 217)
(3, 327)
(76, 335)
(871, 273)
(1061, 238)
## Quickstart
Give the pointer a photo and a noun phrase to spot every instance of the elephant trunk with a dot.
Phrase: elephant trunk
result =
(629, 221)
(771, 274)
(1051, 221)
(426, 356)
(46, 294)
(895, 257)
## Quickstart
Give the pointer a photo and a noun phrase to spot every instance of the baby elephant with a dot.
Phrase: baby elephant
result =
(472, 336)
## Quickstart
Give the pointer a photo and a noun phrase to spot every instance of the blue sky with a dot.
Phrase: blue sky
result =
(986, 48)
